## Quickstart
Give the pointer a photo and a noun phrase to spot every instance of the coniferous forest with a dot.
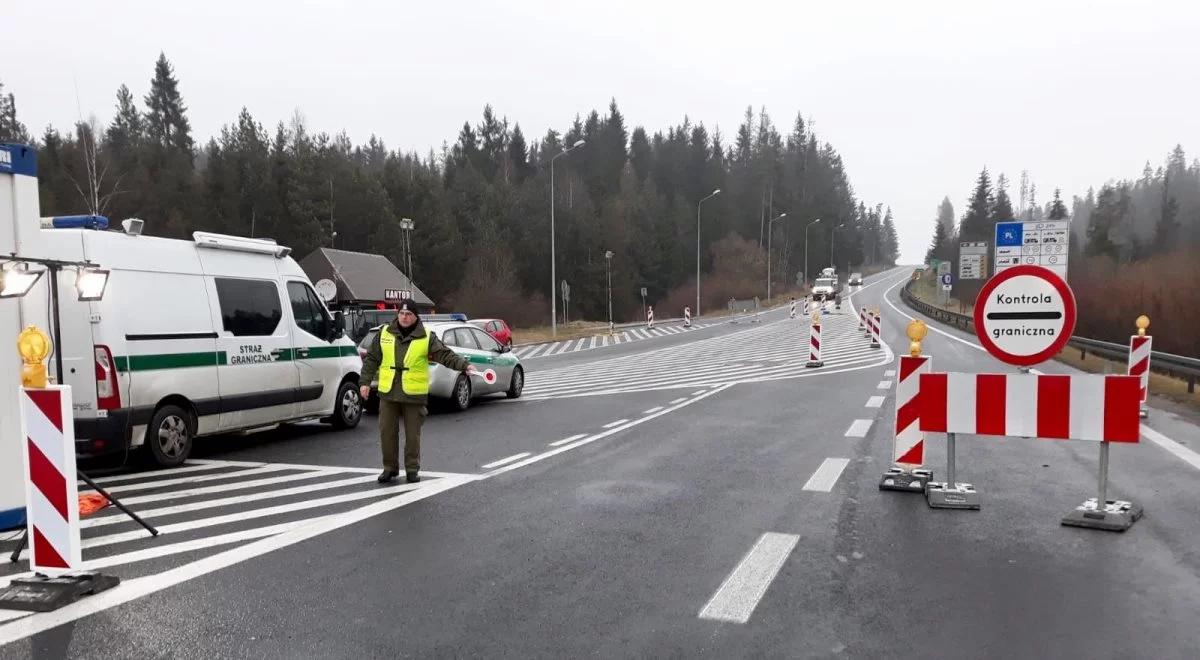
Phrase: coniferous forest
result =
(480, 201)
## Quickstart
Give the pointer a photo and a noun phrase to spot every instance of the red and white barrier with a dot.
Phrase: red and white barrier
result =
(873, 320)
(908, 444)
(687, 317)
(862, 319)
(814, 344)
(51, 495)
(650, 318)
(1082, 407)
(1139, 366)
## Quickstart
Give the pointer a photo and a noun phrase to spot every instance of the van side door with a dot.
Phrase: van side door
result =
(257, 376)
(319, 359)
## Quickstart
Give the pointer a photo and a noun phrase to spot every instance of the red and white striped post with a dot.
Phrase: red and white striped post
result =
(1139, 360)
(814, 343)
(650, 318)
(907, 472)
(51, 494)
(687, 317)
(873, 319)
(862, 320)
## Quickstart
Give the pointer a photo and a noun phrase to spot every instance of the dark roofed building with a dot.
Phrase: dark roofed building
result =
(363, 280)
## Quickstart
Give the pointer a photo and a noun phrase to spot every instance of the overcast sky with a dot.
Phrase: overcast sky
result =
(917, 96)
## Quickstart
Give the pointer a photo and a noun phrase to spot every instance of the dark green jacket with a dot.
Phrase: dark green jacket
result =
(437, 353)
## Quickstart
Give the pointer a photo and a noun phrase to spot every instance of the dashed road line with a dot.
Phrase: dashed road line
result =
(826, 476)
(875, 402)
(890, 373)
(564, 441)
(859, 428)
(616, 423)
(506, 460)
(679, 400)
(884, 385)
(740, 593)
(652, 410)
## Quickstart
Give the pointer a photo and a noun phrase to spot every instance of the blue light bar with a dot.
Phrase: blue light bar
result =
(79, 222)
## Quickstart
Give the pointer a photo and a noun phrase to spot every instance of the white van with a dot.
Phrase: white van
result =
(214, 335)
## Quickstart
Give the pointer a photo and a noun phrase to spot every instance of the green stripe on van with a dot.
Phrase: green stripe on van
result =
(217, 358)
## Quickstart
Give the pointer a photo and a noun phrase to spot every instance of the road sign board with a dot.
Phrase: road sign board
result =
(943, 267)
(396, 294)
(1025, 315)
(1034, 244)
(566, 290)
(643, 292)
(947, 280)
(972, 258)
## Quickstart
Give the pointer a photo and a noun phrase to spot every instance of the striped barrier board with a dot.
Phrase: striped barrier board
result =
(814, 344)
(873, 318)
(908, 441)
(1080, 407)
(51, 493)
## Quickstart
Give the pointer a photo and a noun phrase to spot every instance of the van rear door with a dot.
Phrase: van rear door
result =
(257, 377)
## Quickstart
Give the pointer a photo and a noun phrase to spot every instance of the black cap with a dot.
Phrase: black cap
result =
(408, 305)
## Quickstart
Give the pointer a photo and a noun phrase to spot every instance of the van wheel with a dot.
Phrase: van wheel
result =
(461, 398)
(517, 385)
(348, 407)
(169, 436)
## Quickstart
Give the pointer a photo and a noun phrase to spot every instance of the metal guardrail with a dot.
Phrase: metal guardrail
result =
(1178, 366)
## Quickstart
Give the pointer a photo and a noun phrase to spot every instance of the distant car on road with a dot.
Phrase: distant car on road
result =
(497, 328)
(855, 279)
(459, 389)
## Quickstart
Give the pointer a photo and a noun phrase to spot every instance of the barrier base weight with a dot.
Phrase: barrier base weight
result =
(814, 363)
(46, 594)
(874, 344)
(1115, 516)
(908, 481)
(942, 495)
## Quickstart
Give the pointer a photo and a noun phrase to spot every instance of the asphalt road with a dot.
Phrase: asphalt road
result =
(698, 494)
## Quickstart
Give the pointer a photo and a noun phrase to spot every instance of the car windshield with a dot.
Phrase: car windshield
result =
(824, 281)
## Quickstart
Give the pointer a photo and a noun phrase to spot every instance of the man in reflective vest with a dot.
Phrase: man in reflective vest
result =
(399, 357)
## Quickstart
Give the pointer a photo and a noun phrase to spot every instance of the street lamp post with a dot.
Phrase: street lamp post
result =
(714, 194)
(553, 261)
(832, 233)
(608, 272)
(406, 225)
(806, 249)
(771, 224)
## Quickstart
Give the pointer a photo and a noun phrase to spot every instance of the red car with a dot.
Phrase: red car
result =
(497, 328)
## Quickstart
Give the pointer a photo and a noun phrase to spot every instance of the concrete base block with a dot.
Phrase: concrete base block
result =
(908, 481)
(1115, 516)
(941, 495)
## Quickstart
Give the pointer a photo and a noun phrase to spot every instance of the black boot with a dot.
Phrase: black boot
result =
(412, 477)
(387, 475)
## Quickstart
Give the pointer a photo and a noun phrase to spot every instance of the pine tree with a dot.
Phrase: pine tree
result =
(1001, 206)
(976, 224)
(166, 121)
(11, 130)
(890, 248)
(1058, 210)
(518, 155)
(1102, 223)
(945, 216)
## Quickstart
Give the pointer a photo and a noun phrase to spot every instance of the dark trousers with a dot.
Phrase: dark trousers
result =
(390, 414)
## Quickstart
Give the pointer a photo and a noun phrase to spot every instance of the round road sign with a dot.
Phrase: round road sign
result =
(326, 289)
(1025, 315)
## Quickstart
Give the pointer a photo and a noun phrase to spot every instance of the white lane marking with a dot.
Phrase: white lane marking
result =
(604, 434)
(200, 523)
(890, 373)
(697, 392)
(534, 351)
(564, 441)
(240, 485)
(884, 385)
(931, 326)
(579, 346)
(604, 340)
(190, 466)
(1182, 453)
(653, 410)
(139, 587)
(875, 402)
(827, 475)
(679, 400)
(616, 423)
(593, 342)
(505, 461)
(737, 597)
(859, 428)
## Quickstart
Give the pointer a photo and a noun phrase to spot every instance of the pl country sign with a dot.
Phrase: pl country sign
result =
(1025, 315)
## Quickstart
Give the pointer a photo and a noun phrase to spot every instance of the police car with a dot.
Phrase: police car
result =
(456, 388)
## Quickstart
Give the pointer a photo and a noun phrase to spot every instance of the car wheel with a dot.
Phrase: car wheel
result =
(461, 397)
(348, 407)
(517, 385)
(169, 436)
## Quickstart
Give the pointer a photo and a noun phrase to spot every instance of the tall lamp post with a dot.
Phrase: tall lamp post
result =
(832, 233)
(698, 204)
(608, 272)
(553, 261)
(771, 224)
(806, 228)
(406, 225)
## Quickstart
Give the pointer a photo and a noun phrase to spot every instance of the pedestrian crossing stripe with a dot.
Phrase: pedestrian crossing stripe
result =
(602, 341)
(773, 351)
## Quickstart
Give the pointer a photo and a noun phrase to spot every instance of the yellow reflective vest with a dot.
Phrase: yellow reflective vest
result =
(414, 379)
